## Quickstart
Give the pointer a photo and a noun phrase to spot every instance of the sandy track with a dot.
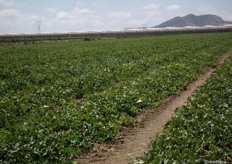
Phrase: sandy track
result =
(135, 141)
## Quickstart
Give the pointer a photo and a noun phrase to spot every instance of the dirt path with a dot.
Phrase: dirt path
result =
(135, 141)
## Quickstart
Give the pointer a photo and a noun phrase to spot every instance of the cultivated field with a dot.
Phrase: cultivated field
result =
(58, 99)
(201, 130)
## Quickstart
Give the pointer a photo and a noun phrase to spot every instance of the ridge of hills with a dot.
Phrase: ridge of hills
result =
(193, 20)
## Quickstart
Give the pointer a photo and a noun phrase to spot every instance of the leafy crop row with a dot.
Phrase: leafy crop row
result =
(201, 130)
(57, 99)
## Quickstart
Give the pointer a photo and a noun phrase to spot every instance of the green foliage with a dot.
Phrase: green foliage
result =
(58, 99)
(201, 130)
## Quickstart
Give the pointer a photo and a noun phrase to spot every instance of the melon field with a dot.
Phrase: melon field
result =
(201, 130)
(58, 99)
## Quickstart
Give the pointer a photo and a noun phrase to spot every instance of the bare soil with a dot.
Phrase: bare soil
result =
(135, 141)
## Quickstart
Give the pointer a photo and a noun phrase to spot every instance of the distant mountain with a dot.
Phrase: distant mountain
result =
(193, 20)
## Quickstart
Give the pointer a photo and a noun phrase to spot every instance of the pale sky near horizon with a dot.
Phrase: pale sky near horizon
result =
(20, 16)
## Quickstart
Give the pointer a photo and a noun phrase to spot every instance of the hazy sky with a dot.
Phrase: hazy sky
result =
(19, 16)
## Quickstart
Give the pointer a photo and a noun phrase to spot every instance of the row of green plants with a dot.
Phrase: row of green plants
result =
(200, 131)
(58, 99)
